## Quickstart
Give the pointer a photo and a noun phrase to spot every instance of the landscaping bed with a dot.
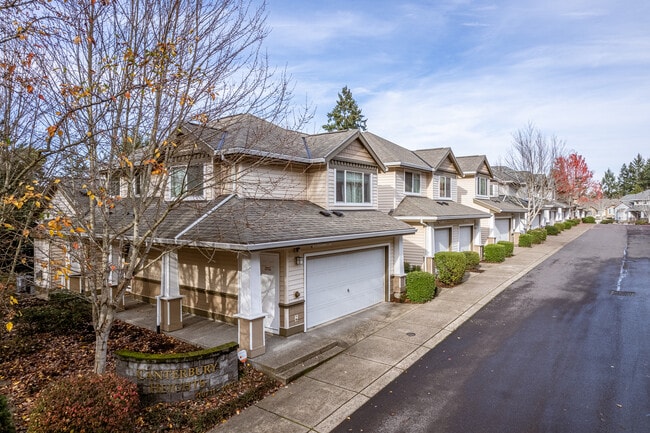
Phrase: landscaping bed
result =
(32, 357)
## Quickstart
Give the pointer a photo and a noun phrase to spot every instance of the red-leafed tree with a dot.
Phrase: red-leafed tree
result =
(573, 179)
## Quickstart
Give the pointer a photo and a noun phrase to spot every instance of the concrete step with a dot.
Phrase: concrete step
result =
(297, 367)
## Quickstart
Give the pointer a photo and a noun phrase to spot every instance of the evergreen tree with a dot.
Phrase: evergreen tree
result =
(636, 168)
(610, 184)
(346, 114)
(625, 181)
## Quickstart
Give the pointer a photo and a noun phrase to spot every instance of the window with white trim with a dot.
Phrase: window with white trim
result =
(186, 180)
(444, 186)
(482, 186)
(353, 187)
(412, 182)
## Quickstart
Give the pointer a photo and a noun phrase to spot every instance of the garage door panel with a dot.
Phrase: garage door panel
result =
(502, 226)
(341, 284)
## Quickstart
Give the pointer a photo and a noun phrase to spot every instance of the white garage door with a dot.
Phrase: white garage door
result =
(442, 240)
(502, 229)
(341, 284)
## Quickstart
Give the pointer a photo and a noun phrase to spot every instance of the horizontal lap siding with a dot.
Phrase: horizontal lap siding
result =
(277, 182)
(414, 246)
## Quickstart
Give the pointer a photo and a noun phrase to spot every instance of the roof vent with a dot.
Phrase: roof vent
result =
(338, 213)
(325, 213)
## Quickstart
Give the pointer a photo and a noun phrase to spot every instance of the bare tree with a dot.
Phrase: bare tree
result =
(129, 79)
(532, 157)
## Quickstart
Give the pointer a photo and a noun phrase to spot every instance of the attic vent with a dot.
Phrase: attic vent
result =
(621, 293)
(325, 213)
(338, 213)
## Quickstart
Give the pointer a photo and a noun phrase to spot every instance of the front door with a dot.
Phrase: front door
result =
(270, 279)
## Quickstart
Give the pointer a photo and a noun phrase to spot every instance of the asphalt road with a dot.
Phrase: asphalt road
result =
(564, 349)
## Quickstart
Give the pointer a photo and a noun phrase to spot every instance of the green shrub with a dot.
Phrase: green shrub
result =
(62, 314)
(510, 247)
(525, 240)
(641, 221)
(450, 267)
(420, 286)
(91, 403)
(607, 221)
(589, 220)
(473, 259)
(6, 421)
(552, 230)
(543, 233)
(494, 253)
(568, 225)
(559, 226)
(536, 236)
(411, 268)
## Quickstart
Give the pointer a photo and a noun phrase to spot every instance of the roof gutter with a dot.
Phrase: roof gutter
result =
(441, 218)
(281, 244)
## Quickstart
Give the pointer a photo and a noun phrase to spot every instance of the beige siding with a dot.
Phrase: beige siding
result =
(387, 191)
(483, 169)
(414, 246)
(356, 152)
(272, 181)
(447, 165)
(466, 191)
(317, 186)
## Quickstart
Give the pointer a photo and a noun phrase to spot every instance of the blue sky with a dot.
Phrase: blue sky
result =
(467, 74)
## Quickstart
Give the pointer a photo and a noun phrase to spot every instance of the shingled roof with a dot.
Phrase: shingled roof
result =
(472, 164)
(254, 224)
(435, 157)
(423, 208)
(501, 204)
(392, 154)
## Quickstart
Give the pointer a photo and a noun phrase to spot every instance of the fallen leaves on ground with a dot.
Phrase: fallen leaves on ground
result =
(29, 363)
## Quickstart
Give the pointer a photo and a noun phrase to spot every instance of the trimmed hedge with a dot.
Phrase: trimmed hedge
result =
(93, 403)
(607, 221)
(473, 259)
(420, 286)
(510, 247)
(589, 220)
(64, 313)
(568, 225)
(450, 267)
(525, 240)
(494, 253)
(559, 226)
(536, 236)
(552, 230)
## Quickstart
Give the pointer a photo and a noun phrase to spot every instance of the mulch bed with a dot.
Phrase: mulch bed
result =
(28, 363)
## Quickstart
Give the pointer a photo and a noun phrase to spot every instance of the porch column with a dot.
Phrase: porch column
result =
(169, 303)
(429, 250)
(250, 318)
(398, 279)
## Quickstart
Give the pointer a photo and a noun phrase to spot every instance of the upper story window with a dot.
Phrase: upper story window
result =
(186, 180)
(114, 185)
(352, 187)
(412, 182)
(494, 188)
(481, 186)
(445, 187)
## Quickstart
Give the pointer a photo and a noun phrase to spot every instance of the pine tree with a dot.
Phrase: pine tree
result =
(610, 184)
(346, 114)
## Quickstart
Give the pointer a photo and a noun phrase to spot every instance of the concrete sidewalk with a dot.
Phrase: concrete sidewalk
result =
(359, 354)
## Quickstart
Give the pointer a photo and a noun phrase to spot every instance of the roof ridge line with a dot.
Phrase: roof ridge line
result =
(204, 216)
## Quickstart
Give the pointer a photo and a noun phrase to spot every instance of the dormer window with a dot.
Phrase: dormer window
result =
(412, 182)
(481, 186)
(186, 180)
(353, 187)
(445, 186)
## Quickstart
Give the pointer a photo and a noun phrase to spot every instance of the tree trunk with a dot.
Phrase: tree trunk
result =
(106, 315)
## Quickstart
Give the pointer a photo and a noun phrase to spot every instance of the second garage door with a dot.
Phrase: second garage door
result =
(340, 284)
